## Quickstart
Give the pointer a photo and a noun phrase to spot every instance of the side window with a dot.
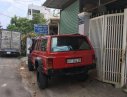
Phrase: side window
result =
(35, 48)
(33, 44)
(36, 45)
(44, 44)
(39, 45)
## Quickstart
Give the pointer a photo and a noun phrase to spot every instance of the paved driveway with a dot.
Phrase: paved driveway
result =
(70, 87)
(10, 79)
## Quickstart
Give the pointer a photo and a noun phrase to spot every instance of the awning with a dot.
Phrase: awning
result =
(61, 4)
(58, 4)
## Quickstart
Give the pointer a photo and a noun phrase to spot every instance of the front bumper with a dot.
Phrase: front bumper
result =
(9, 53)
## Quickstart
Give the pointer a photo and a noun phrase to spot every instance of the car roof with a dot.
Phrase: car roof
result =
(66, 35)
(47, 36)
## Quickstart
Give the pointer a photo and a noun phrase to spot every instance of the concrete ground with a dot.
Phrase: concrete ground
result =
(10, 79)
(69, 87)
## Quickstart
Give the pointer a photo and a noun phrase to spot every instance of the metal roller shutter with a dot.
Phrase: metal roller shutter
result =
(69, 19)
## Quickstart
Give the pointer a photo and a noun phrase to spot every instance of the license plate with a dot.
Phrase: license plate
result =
(77, 60)
(8, 52)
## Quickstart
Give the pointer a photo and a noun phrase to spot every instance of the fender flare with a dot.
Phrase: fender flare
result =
(38, 63)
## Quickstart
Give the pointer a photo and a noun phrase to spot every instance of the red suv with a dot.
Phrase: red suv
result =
(59, 55)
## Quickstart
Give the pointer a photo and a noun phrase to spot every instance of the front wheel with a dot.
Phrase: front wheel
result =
(42, 80)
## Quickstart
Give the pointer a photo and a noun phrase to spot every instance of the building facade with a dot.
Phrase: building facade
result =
(105, 23)
(33, 9)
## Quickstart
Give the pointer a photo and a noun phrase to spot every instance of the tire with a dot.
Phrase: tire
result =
(30, 66)
(42, 80)
(0, 54)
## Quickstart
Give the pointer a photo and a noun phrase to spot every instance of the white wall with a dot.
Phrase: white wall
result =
(42, 9)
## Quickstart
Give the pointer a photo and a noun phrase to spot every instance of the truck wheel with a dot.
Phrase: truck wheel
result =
(30, 66)
(42, 80)
(0, 54)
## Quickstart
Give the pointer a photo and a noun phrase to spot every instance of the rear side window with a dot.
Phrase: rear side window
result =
(37, 45)
(60, 44)
(44, 44)
(33, 43)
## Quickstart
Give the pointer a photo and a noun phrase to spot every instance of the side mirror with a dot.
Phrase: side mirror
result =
(30, 48)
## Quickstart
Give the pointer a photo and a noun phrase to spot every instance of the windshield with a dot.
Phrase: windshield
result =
(60, 44)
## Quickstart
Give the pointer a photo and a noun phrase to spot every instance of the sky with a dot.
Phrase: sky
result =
(10, 8)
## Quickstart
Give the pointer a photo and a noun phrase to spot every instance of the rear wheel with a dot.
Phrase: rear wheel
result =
(30, 66)
(42, 80)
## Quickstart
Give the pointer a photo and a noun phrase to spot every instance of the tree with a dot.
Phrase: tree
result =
(25, 25)
(20, 24)
(14, 20)
(38, 19)
(12, 27)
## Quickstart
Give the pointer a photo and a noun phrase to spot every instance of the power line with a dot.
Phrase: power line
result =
(22, 2)
(27, 0)
(8, 15)
(5, 15)
(19, 8)
(7, 11)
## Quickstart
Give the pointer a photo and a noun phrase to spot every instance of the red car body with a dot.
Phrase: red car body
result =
(59, 55)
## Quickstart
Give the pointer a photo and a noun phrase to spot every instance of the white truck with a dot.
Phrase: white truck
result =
(10, 43)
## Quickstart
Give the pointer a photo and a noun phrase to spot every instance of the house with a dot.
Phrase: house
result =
(105, 23)
(71, 8)
(68, 18)
(53, 24)
(33, 9)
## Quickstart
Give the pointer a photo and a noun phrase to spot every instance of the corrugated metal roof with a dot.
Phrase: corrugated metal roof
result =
(58, 4)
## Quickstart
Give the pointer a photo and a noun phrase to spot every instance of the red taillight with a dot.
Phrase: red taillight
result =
(94, 59)
(50, 63)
